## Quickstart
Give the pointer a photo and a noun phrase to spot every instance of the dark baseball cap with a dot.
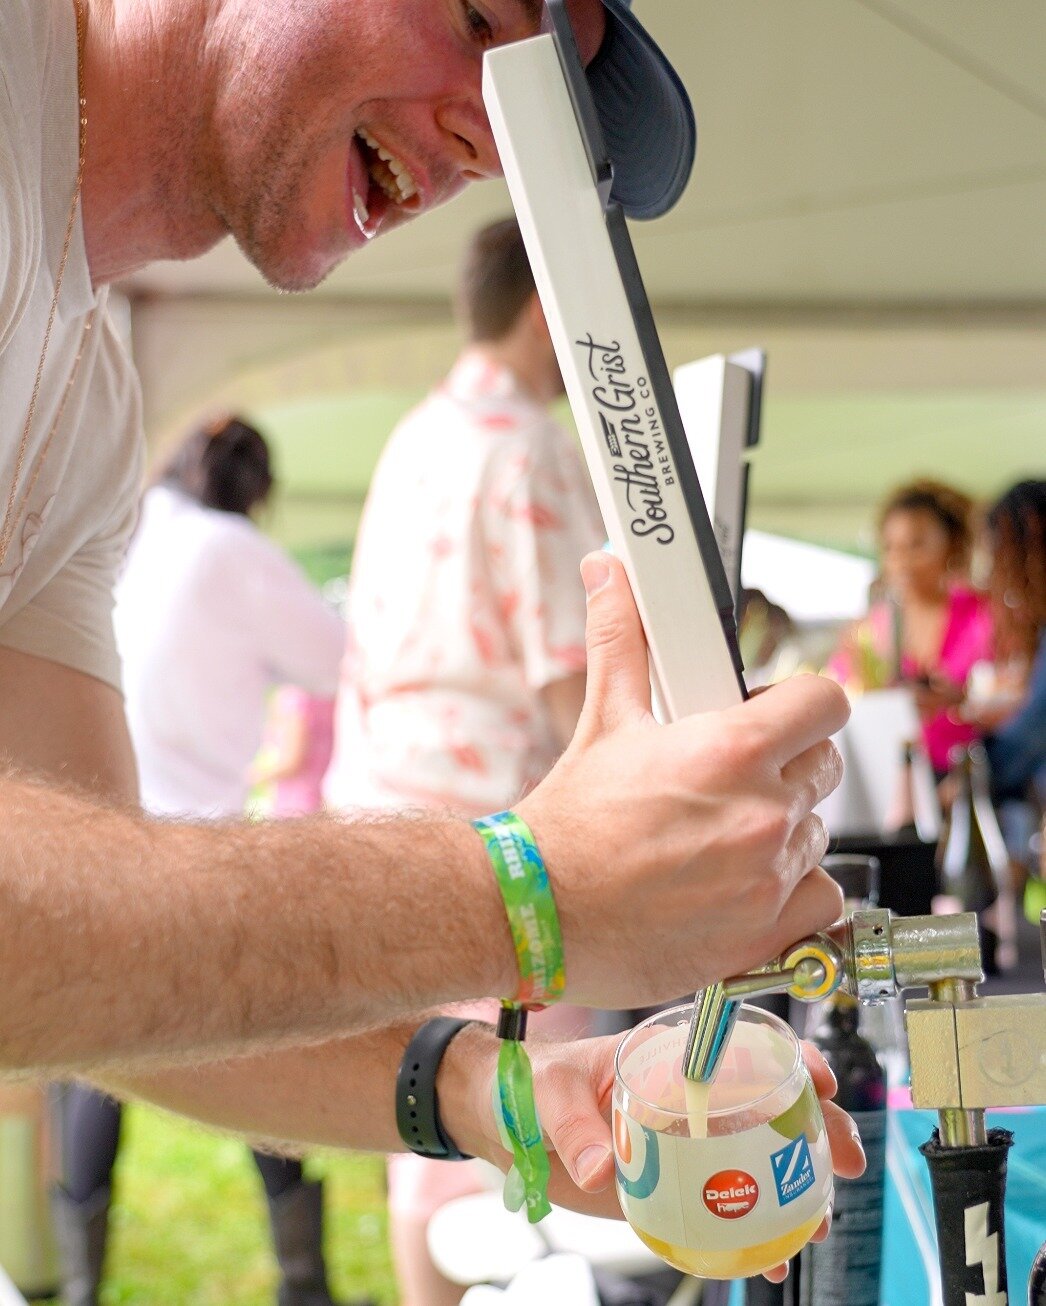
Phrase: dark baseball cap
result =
(645, 113)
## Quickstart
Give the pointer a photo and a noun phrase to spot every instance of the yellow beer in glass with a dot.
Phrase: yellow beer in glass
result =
(725, 1180)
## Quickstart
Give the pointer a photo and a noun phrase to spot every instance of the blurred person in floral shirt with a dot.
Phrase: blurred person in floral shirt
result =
(465, 602)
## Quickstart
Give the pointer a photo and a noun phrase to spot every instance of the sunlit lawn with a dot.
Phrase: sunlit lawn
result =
(189, 1222)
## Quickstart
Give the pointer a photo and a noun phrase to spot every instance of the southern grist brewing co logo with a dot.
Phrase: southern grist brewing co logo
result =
(730, 1194)
(634, 435)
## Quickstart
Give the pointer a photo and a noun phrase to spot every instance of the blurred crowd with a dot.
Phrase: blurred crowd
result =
(957, 615)
(456, 673)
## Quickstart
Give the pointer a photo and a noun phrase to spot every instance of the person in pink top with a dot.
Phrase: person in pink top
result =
(931, 628)
(296, 752)
(466, 670)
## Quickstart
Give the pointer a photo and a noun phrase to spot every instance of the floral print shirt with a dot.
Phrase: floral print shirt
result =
(465, 600)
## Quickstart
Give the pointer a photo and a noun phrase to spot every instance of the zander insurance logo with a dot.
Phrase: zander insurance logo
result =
(730, 1194)
(793, 1170)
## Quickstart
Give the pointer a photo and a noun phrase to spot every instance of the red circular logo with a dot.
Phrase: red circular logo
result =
(730, 1194)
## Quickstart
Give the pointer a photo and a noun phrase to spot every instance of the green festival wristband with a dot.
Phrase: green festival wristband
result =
(529, 905)
(517, 1117)
(534, 925)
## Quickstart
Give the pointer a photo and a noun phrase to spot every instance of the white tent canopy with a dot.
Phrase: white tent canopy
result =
(867, 205)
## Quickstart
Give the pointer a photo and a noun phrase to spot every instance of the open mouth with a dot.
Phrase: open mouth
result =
(390, 183)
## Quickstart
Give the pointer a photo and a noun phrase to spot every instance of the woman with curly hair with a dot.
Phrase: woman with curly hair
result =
(931, 627)
(1017, 742)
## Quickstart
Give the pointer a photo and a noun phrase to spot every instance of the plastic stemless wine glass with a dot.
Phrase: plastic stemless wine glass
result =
(729, 1181)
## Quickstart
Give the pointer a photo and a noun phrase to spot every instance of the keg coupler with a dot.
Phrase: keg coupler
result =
(871, 954)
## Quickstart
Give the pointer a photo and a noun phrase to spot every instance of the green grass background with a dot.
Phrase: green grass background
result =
(189, 1226)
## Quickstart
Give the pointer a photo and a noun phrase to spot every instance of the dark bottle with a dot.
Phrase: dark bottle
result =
(974, 863)
(845, 1270)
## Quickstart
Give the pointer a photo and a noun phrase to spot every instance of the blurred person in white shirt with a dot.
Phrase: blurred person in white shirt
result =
(210, 615)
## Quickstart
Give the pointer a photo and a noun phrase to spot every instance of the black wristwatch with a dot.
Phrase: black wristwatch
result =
(417, 1106)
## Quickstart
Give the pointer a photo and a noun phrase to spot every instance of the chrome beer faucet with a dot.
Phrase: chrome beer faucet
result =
(967, 1053)
(871, 954)
(809, 970)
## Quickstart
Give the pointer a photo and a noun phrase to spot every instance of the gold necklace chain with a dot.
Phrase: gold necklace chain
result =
(15, 505)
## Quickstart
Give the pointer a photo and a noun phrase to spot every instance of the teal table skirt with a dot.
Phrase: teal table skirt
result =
(910, 1273)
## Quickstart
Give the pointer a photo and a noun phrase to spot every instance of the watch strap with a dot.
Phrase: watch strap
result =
(417, 1104)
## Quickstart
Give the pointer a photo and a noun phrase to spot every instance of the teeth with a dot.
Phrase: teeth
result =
(390, 173)
(359, 206)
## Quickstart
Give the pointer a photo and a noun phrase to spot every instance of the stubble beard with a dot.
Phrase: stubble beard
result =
(269, 228)
(267, 223)
(260, 192)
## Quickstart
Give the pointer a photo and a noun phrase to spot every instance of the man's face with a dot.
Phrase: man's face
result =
(336, 120)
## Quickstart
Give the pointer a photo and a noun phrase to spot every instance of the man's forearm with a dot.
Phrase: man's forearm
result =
(338, 1094)
(124, 940)
(342, 1094)
(176, 941)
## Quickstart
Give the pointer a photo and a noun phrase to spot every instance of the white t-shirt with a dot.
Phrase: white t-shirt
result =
(56, 581)
(465, 600)
(210, 614)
